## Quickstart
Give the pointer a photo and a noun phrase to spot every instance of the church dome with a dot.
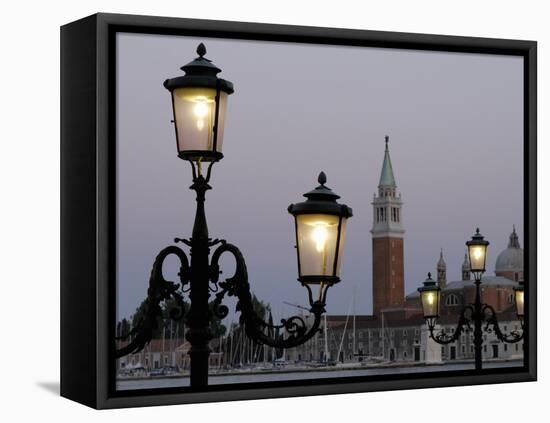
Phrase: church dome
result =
(511, 259)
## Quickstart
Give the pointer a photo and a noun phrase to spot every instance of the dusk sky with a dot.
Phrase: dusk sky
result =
(455, 123)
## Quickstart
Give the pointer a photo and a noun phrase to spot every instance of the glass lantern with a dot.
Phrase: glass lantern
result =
(429, 296)
(199, 103)
(320, 224)
(477, 252)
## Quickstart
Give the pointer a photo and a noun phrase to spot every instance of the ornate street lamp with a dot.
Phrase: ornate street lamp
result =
(430, 295)
(477, 253)
(199, 103)
(482, 316)
(320, 223)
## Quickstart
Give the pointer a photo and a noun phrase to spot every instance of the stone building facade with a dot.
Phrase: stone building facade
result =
(165, 354)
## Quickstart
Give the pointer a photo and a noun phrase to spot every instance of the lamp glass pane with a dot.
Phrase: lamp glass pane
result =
(194, 114)
(477, 255)
(317, 235)
(341, 246)
(430, 303)
(519, 302)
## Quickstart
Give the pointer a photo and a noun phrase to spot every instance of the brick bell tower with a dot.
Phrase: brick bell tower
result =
(387, 242)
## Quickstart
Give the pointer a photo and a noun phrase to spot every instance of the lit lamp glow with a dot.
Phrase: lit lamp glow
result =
(317, 242)
(477, 252)
(429, 296)
(519, 294)
(320, 236)
(320, 224)
(199, 102)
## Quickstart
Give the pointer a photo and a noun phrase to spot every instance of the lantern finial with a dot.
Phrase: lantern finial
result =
(322, 179)
(429, 275)
(201, 50)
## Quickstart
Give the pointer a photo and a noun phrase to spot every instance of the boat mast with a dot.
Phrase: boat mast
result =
(354, 349)
(326, 340)
(344, 333)
(383, 337)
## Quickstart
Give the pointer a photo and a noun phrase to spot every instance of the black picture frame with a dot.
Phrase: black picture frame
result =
(88, 193)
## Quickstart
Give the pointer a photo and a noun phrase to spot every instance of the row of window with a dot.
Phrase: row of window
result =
(369, 333)
(453, 299)
(404, 333)
(382, 214)
(463, 348)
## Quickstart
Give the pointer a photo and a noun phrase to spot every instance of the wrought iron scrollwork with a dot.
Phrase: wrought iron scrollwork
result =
(463, 325)
(491, 325)
(159, 290)
(296, 328)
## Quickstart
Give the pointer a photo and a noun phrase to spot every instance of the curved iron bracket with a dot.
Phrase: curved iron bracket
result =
(463, 325)
(255, 327)
(159, 290)
(491, 325)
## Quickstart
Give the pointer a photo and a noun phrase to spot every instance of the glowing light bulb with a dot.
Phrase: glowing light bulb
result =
(430, 298)
(477, 253)
(519, 298)
(201, 110)
(320, 235)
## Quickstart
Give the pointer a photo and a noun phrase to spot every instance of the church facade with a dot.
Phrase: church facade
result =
(396, 331)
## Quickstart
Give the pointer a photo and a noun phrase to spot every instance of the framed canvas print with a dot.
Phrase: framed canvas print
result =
(255, 211)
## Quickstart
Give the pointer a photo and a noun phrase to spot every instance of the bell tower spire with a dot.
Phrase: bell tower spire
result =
(514, 239)
(466, 268)
(387, 240)
(441, 271)
(387, 180)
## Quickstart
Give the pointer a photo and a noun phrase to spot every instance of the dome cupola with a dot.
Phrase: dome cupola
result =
(510, 261)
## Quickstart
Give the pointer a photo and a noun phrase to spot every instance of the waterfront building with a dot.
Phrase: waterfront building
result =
(162, 354)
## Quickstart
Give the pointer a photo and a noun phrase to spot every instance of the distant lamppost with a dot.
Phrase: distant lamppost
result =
(482, 316)
(199, 100)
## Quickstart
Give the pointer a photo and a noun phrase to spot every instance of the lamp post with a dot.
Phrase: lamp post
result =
(482, 316)
(199, 101)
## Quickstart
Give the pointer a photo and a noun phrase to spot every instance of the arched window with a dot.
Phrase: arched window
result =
(510, 298)
(451, 300)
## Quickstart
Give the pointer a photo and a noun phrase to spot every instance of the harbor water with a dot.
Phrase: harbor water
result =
(282, 375)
